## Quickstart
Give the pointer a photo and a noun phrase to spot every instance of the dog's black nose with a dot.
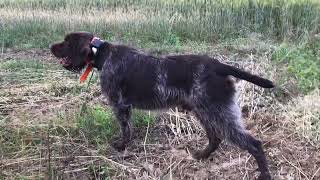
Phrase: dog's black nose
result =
(53, 48)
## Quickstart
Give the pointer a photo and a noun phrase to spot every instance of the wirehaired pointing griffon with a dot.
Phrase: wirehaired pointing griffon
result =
(131, 79)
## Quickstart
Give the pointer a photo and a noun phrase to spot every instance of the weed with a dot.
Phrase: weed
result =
(303, 63)
(58, 89)
(21, 65)
(173, 39)
(97, 123)
(17, 139)
(142, 118)
(26, 71)
(100, 171)
(304, 113)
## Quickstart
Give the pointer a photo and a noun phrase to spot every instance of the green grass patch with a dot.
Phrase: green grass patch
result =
(303, 63)
(142, 118)
(99, 124)
(26, 71)
(59, 89)
(101, 171)
(20, 65)
(13, 140)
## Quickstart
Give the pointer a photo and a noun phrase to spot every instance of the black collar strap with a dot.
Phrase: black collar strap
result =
(95, 44)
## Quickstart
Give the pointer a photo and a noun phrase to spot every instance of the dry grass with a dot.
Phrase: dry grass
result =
(304, 114)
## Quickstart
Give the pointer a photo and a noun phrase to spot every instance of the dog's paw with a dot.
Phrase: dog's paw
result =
(200, 155)
(265, 176)
(119, 145)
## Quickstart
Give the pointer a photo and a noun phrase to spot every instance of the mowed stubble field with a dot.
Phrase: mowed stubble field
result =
(51, 126)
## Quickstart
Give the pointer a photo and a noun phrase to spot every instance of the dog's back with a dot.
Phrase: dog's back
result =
(204, 78)
(225, 70)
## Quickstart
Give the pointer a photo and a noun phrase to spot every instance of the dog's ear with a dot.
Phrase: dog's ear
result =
(80, 58)
(85, 51)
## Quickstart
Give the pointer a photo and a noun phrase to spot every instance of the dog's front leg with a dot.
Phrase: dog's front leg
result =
(110, 82)
(123, 115)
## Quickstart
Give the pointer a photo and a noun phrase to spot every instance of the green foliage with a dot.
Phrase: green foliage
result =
(17, 139)
(100, 171)
(58, 89)
(20, 65)
(26, 71)
(303, 63)
(142, 119)
(173, 39)
(30, 33)
(97, 123)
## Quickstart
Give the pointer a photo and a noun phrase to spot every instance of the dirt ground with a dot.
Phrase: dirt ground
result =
(161, 151)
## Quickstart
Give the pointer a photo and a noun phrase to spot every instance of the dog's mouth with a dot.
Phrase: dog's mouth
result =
(67, 64)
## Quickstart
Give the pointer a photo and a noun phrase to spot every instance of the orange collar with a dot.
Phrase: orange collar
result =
(89, 68)
(84, 76)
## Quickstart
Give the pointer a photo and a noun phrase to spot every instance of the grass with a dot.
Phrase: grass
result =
(166, 21)
(98, 123)
(26, 133)
(304, 113)
(29, 71)
(68, 124)
(302, 62)
(142, 119)
(52, 124)
(100, 171)
(20, 65)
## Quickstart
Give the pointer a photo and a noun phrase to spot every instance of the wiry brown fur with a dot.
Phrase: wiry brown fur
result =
(131, 79)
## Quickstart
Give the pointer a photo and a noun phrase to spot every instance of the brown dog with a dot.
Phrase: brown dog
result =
(134, 80)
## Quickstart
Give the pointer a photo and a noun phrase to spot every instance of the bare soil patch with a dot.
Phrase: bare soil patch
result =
(37, 54)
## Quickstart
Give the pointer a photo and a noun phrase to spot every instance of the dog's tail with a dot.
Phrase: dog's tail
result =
(233, 71)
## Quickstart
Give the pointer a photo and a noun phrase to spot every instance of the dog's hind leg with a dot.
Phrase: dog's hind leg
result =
(228, 123)
(246, 142)
(214, 140)
(123, 115)
(253, 146)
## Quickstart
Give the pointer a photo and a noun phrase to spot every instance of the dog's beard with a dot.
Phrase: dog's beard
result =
(66, 62)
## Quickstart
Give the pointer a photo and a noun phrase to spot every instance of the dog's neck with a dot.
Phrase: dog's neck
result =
(98, 49)
(95, 44)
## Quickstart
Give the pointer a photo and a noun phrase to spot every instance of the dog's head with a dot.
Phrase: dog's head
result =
(74, 50)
